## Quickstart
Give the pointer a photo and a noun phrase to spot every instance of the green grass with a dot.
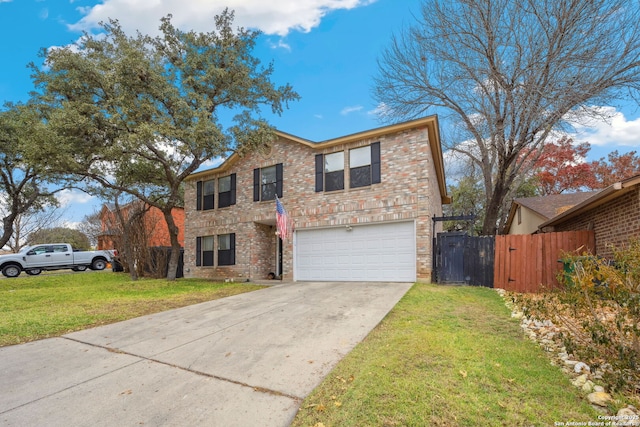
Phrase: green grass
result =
(36, 307)
(446, 356)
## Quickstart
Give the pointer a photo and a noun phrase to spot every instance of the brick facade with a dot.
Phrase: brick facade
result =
(410, 189)
(613, 222)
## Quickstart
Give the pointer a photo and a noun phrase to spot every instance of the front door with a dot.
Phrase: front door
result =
(279, 257)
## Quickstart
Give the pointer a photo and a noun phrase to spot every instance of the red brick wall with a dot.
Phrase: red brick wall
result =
(613, 222)
(156, 227)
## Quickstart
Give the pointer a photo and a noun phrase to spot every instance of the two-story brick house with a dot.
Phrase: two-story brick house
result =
(361, 205)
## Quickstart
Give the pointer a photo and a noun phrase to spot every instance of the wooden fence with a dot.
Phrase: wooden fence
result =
(529, 262)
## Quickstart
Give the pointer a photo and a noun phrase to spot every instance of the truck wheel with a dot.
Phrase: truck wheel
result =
(79, 268)
(99, 264)
(11, 270)
(33, 271)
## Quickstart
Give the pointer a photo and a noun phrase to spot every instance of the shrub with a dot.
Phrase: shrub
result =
(598, 309)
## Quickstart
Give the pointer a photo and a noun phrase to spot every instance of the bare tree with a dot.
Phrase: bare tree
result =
(91, 225)
(28, 223)
(508, 73)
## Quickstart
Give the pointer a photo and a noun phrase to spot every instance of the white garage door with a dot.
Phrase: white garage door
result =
(378, 252)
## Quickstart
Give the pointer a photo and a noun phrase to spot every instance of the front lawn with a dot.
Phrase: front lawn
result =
(36, 307)
(446, 356)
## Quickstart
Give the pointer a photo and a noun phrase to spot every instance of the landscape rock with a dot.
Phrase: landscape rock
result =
(587, 387)
(599, 398)
(628, 416)
(581, 367)
(580, 381)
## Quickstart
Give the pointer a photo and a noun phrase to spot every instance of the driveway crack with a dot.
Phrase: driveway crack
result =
(258, 389)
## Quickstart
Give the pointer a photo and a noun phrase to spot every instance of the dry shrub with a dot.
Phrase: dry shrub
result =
(598, 310)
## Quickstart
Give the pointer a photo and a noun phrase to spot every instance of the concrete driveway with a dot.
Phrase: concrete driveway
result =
(246, 360)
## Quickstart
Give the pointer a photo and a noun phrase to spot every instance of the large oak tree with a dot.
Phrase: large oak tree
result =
(139, 114)
(27, 187)
(507, 73)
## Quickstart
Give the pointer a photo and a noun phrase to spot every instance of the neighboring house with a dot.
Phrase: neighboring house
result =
(361, 205)
(527, 213)
(155, 226)
(613, 214)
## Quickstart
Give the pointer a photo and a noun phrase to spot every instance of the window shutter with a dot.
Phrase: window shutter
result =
(279, 179)
(376, 176)
(198, 251)
(232, 200)
(256, 185)
(232, 247)
(319, 172)
(199, 196)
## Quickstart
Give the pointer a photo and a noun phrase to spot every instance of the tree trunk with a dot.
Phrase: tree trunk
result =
(494, 203)
(7, 229)
(174, 258)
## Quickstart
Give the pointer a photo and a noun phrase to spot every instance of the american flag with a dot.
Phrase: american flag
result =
(283, 222)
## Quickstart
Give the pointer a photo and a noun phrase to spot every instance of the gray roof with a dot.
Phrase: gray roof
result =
(554, 204)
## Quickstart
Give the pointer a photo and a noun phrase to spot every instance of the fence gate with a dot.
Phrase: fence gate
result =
(449, 264)
(460, 258)
(529, 262)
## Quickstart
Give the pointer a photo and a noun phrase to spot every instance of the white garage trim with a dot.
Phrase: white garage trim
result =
(382, 252)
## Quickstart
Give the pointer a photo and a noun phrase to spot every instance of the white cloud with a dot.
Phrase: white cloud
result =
(68, 197)
(382, 111)
(348, 110)
(280, 44)
(75, 225)
(613, 129)
(272, 17)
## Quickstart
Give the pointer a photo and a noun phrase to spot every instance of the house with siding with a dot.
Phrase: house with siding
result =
(612, 213)
(527, 213)
(361, 207)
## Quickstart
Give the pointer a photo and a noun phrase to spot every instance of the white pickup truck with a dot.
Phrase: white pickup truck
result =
(52, 256)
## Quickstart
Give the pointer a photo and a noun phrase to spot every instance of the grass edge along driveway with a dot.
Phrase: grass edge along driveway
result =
(49, 305)
(446, 356)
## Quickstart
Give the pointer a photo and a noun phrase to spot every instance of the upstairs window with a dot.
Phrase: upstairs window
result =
(330, 171)
(334, 171)
(227, 191)
(267, 183)
(364, 166)
(205, 194)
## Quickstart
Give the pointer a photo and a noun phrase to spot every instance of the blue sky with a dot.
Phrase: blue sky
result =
(326, 49)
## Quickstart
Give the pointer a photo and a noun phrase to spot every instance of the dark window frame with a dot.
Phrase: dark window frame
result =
(372, 171)
(227, 256)
(204, 258)
(259, 194)
(333, 180)
(227, 198)
(366, 175)
(204, 201)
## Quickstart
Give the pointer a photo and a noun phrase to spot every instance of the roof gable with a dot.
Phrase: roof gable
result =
(547, 207)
